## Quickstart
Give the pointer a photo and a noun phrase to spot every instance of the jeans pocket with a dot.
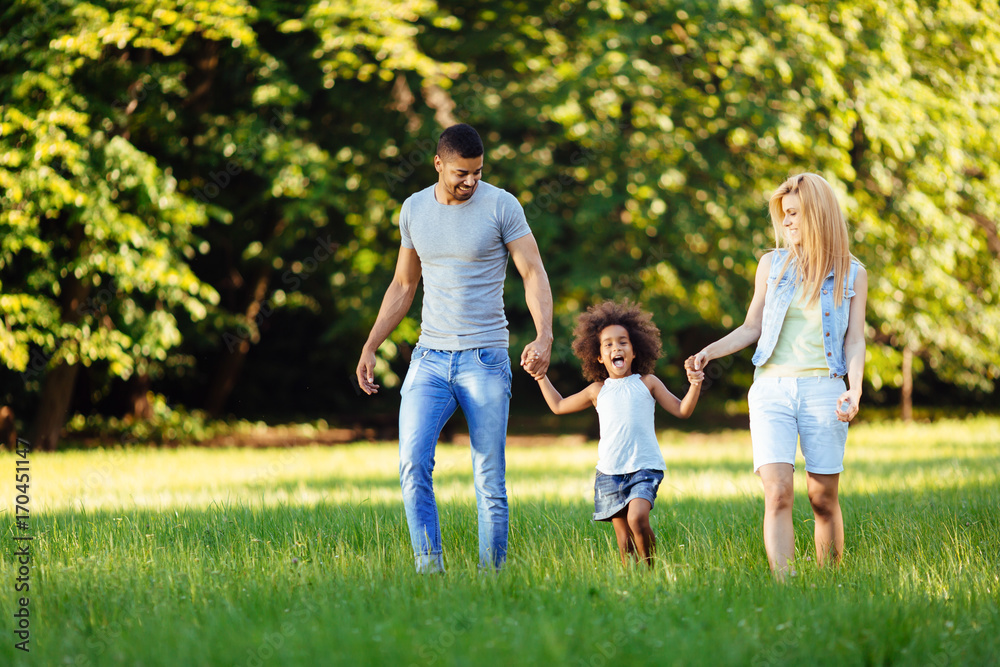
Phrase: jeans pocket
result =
(492, 357)
(416, 356)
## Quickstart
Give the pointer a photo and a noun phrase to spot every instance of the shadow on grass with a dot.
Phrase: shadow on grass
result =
(938, 467)
(887, 520)
(322, 580)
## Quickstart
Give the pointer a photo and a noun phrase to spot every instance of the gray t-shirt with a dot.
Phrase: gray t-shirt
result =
(463, 259)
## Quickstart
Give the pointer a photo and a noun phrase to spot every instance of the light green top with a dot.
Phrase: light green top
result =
(799, 351)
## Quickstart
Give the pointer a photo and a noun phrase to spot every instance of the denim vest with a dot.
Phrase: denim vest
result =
(781, 289)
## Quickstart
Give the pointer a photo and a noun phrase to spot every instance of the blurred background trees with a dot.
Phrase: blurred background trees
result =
(200, 200)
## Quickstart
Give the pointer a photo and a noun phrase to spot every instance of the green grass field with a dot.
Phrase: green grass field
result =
(301, 557)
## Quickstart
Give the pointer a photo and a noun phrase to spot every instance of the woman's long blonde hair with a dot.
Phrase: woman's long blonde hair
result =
(824, 241)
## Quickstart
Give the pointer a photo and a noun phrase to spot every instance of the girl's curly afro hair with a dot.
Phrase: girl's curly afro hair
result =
(645, 337)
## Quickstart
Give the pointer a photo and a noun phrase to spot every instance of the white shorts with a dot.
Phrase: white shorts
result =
(784, 410)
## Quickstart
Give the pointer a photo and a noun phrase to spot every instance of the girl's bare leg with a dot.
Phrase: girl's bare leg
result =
(642, 532)
(626, 545)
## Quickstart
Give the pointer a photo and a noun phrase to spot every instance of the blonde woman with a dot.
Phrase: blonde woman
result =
(807, 317)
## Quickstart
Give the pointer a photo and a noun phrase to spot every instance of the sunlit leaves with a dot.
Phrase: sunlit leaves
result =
(82, 207)
(370, 38)
(207, 154)
(927, 143)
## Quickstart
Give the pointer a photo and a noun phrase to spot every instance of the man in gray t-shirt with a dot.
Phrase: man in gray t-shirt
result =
(457, 235)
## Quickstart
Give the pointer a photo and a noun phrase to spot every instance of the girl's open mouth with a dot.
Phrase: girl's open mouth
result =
(618, 362)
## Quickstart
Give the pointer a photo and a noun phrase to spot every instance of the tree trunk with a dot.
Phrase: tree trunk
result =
(8, 428)
(138, 397)
(57, 388)
(225, 377)
(907, 393)
(237, 346)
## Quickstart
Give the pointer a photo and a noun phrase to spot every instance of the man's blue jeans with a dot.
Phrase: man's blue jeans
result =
(436, 383)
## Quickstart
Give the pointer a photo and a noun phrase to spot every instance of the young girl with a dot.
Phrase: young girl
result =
(619, 345)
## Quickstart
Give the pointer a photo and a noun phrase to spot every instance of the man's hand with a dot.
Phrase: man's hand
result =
(366, 373)
(535, 358)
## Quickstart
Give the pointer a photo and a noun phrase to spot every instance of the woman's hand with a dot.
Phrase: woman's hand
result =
(848, 405)
(697, 362)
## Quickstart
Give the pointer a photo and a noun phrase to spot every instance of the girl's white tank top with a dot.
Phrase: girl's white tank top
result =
(628, 438)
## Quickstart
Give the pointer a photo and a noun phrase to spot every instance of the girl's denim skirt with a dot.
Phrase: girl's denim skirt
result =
(613, 493)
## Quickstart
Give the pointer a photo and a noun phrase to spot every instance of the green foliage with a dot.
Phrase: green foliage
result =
(96, 236)
(176, 425)
(167, 425)
(198, 193)
(925, 151)
(652, 136)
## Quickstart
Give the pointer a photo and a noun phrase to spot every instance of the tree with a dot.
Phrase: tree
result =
(924, 148)
(201, 198)
(95, 235)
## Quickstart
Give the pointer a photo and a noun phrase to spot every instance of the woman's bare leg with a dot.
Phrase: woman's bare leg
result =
(779, 533)
(829, 531)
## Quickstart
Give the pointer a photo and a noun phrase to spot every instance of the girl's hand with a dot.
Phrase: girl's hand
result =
(697, 362)
(535, 358)
(848, 405)
(695, 377)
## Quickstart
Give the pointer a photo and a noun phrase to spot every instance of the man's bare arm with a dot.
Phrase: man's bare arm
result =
(538, 295)
(395, 304)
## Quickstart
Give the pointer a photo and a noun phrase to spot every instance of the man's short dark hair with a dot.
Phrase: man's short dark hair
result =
(460, 141)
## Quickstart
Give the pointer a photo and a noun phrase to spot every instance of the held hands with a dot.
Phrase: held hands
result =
(695, 378)
(848, 405)
(697, 362)
(535, 358)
